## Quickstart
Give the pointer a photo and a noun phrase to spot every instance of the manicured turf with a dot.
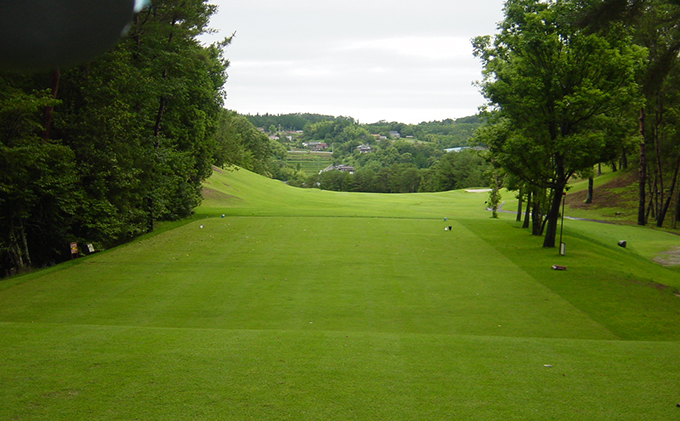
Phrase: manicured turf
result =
(306, 305)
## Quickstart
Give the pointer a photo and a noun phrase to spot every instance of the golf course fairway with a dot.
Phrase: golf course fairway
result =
(278, 303)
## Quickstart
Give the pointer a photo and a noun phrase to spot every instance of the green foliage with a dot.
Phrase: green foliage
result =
(447, 133)
(136, 130)
(495, 196)
(458, 170)
(295, 122)
(239, 143)
(37, 181)
(557, 92)
(393, 165)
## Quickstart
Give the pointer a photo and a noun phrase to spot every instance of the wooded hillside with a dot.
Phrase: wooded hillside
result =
(97, 153)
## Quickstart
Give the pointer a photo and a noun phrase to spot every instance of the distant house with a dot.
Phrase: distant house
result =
(395, 134)
(340, 167)
(364, 148)
(316, 146)
(273, 137)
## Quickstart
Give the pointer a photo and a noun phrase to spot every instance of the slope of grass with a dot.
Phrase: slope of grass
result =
(244, 193)
(304, 305)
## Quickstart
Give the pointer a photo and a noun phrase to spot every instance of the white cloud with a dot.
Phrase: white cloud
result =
(432, 48)
(369, 59)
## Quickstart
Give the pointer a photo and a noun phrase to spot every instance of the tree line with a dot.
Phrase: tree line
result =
(450, 171)
(95, 154)
(574, 83)
(445, 133)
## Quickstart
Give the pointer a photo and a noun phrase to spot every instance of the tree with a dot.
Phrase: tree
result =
(239, 143)
(656, 27)
(334, 180)
(556, 89)
(458, 170)
(125, 140)
(37, 195)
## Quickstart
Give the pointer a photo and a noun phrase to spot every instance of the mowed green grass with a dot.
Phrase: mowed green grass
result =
(306, 305)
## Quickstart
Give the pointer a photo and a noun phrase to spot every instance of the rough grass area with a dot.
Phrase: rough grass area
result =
(614, 199)
(304, 305)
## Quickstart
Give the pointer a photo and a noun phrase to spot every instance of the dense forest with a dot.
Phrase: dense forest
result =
(95, 154)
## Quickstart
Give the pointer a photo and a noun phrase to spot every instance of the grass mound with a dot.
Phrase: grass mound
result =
(307, 304)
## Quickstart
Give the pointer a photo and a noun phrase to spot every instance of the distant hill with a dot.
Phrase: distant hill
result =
(447, 133)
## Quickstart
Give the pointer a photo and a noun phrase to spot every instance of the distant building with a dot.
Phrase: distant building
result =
(340, 167)
(364, 148)
(316, 146)
(395, 134)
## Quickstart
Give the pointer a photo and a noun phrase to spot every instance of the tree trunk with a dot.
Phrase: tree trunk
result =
(651, 207)
(677, 212)
(664, 210)
(658, 191)
(556, 202)
(47, 112)
(527, 212)
(536, 215)
(553, 216)
(624, 161)
(519, 205)
(159, 117)
(642, 183)
(589, 199)
(494, 197)
(149, 214)
(24, 243)
(14, 246)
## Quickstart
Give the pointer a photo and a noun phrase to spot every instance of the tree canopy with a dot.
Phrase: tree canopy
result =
(557, 94)
(98, 152)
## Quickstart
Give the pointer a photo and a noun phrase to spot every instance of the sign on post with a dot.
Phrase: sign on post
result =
(74, 249)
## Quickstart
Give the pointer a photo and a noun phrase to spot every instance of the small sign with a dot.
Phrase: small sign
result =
(74, 248)
(90, 247)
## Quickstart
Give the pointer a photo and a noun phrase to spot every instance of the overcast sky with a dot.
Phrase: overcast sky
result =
(368, 59)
